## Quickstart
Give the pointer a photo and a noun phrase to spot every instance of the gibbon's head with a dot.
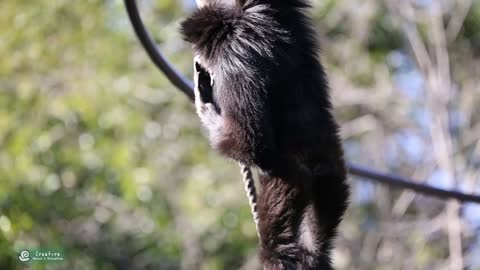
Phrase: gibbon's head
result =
(227, 3)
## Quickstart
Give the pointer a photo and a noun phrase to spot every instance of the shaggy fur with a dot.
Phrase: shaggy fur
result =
(263, 96)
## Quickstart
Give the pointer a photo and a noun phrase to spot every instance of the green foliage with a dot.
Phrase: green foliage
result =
(96, 146)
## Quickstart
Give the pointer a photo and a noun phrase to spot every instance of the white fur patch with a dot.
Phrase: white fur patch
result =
(307, 231)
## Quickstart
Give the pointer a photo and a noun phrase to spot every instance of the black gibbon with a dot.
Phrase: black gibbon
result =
(262, 93)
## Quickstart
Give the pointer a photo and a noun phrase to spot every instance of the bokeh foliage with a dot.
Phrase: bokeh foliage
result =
(99, 153)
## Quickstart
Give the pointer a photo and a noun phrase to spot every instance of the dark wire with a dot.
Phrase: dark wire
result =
(415, 185)
(157, 57)
(186, 87)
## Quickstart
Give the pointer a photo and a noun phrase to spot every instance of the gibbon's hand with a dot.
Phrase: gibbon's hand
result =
(203, 84)
(204, 102)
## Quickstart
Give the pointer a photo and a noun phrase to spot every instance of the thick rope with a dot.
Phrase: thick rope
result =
(251, 192)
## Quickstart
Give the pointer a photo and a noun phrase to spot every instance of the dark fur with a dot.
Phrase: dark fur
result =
(271, 95)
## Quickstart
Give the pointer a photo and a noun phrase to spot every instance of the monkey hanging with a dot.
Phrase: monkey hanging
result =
(262, 94)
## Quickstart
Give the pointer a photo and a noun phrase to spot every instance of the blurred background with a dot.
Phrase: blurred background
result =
(101, 156)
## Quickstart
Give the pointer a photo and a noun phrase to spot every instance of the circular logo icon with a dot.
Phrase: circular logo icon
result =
(24, 256)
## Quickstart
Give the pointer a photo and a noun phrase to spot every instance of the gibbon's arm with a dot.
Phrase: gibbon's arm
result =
(237, 118)
(239, 46)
